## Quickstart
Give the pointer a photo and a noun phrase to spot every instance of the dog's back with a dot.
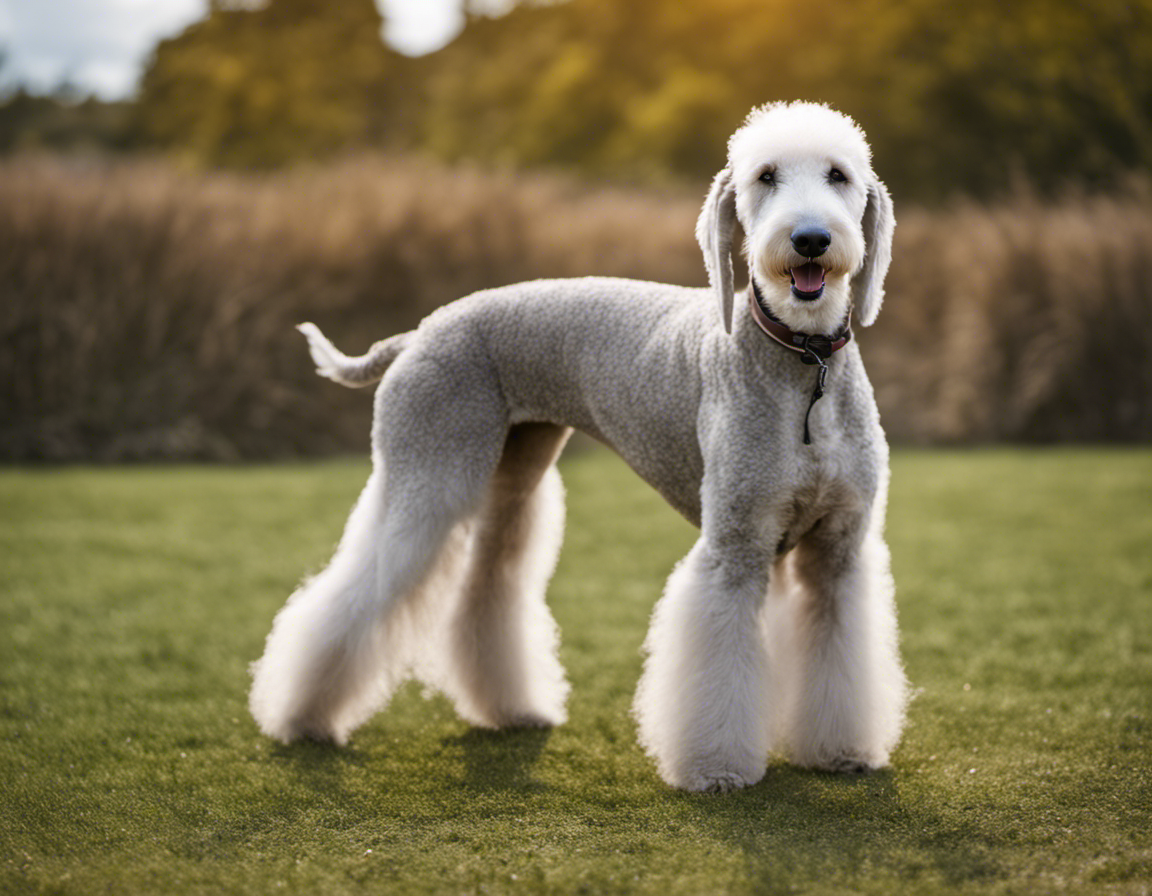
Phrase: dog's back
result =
(617, 359)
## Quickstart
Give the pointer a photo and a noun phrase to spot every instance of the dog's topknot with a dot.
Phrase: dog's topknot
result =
(799, 120)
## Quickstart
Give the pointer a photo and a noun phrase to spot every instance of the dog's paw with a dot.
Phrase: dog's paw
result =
(722, 782)
(716, 778)
(846, 765)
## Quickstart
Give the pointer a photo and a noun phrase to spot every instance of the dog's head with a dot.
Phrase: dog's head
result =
(818, 222)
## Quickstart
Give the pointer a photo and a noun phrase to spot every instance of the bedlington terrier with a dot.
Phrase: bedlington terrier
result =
(777, 631)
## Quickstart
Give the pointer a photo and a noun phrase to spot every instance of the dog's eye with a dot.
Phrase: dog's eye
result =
(768, 177)
(837, 176)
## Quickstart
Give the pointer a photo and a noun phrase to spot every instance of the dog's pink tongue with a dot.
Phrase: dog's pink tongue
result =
(808, 277)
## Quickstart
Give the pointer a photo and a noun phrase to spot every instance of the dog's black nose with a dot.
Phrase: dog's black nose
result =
(811, 242)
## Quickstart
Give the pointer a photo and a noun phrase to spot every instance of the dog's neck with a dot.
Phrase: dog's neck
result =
(812, 347)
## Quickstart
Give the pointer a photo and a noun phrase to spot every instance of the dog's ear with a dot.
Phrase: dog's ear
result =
(878, 224)
(714, 232)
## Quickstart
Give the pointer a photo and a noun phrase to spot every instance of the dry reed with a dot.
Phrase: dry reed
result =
(148, 313)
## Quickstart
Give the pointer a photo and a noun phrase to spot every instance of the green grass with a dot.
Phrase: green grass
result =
(132, 600)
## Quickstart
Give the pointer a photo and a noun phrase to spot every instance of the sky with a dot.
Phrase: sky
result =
(101, 46)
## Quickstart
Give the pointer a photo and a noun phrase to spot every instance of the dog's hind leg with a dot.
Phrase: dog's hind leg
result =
(348, 636)
(502, 668)
(302, 684)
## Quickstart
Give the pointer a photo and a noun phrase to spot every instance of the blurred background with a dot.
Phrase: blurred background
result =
(182, 181)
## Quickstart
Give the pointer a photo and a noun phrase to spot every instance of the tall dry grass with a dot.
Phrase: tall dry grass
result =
(148, 313)
(1022, 321)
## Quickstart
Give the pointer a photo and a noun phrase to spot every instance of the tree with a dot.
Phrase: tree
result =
(260, 86)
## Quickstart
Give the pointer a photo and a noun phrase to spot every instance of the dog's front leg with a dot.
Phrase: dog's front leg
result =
(841, 686)
(701, 704)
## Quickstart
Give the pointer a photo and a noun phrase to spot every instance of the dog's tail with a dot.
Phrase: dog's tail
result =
(353, 372)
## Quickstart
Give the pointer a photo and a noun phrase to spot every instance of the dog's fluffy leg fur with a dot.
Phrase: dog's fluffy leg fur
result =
(501, 662)
(702, 701)
(346, 637)
(317, 646)
(835, 652)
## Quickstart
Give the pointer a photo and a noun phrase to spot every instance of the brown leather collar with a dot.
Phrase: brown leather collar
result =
(803, 343)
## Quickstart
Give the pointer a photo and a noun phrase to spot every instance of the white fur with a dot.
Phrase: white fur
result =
(842, 692)
(776, 633)
(702, 700)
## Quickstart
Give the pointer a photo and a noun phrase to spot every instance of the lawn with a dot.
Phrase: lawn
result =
(132, 601)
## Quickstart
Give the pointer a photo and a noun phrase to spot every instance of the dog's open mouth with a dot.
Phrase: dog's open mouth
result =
(808, 281)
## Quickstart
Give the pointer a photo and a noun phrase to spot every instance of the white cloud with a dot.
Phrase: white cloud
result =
(97, 45)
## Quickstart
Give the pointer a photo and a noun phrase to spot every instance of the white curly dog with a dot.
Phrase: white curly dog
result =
(777, 632)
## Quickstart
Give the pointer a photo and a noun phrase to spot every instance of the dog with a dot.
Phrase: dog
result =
(753, 418)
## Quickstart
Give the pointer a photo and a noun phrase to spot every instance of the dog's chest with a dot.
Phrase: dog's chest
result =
(822, 493)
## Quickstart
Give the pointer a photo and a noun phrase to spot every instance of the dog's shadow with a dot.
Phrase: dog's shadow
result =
(490, 760)
(318, 765)
(794, 819)
(500, 760)
(803, 819)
